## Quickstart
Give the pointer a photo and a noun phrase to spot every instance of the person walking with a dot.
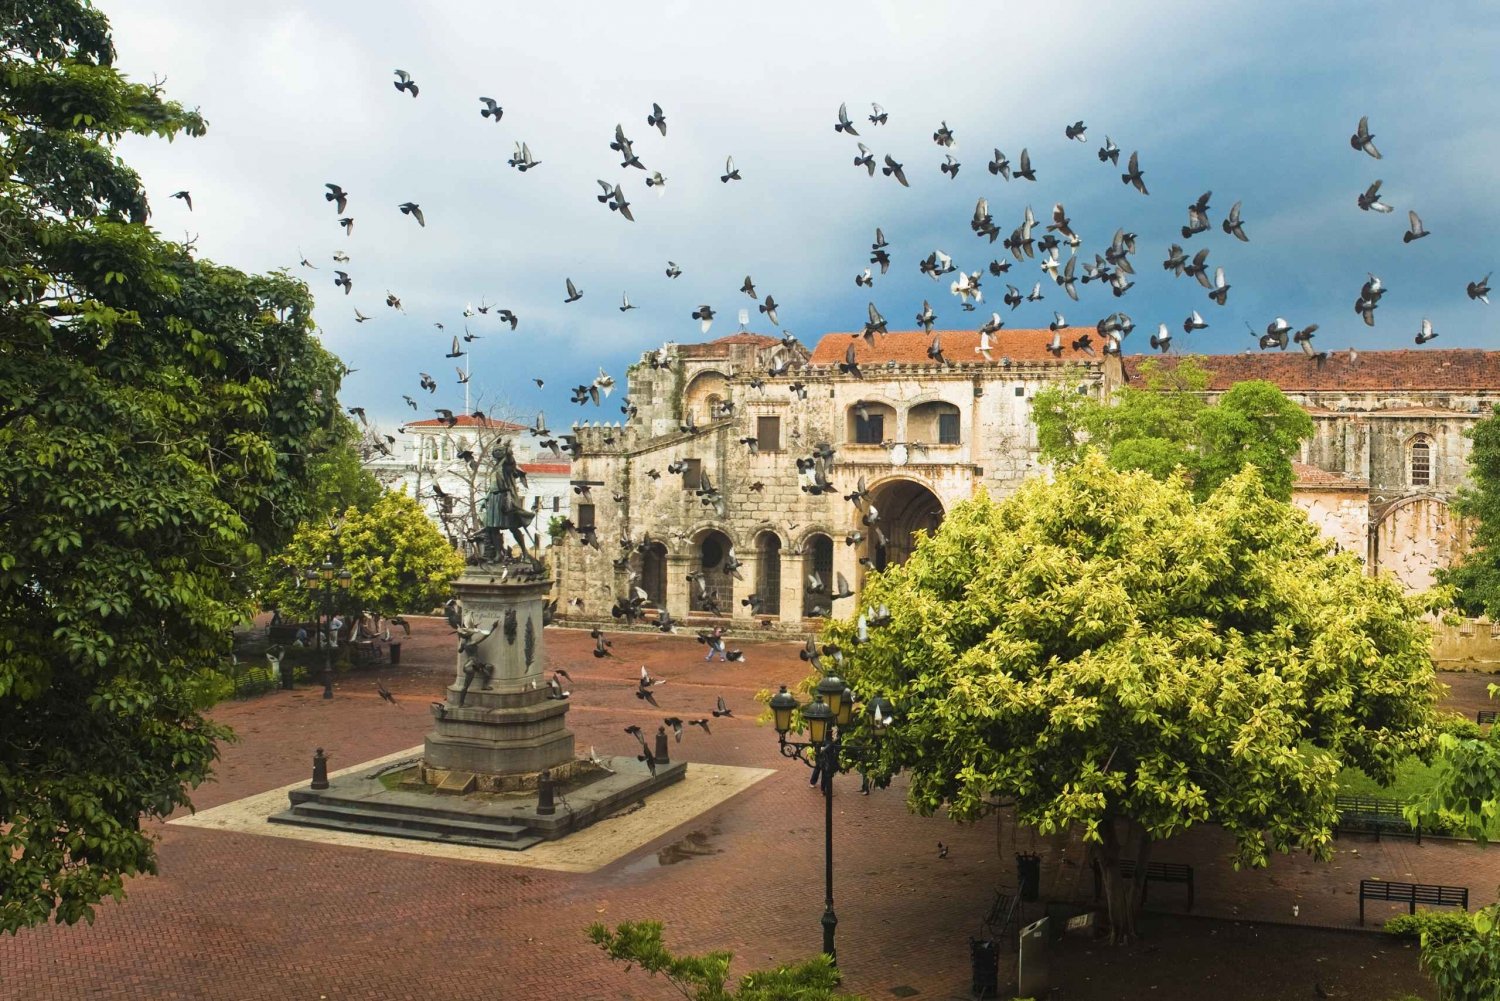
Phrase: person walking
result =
(716, 644)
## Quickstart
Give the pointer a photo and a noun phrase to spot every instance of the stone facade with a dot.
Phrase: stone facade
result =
(1388, 451)
(1377, 476)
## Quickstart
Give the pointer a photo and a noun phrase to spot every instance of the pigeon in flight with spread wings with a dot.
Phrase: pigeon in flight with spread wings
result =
(490, 109)
(843, 124)
(573, 294)
(894, 169)
(415, 211)
(1363, 139)
(731, 172)
(1370, 200)
(657, 119)
(405, 83)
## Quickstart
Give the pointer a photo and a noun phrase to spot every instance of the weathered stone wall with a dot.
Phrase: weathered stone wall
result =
(1340, 513)
(1416, 536)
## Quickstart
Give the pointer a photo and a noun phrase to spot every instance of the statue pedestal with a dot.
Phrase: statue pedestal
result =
(503, 729)
(488, 751)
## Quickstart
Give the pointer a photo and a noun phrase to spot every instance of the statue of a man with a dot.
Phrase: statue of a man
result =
(504, 508)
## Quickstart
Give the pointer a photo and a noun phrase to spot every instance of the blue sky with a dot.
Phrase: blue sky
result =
(1255, 102)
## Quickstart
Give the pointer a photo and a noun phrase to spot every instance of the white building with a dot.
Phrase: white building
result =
(430, 464)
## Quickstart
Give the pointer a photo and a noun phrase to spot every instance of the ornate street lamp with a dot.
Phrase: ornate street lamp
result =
(830, 711)
(322, 578)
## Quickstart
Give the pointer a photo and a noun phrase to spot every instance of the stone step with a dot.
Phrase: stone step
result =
(362, 825)
(486, 829)
(430, 807)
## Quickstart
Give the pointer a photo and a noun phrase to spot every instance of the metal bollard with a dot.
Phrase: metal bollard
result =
(544, 805)
(320, 770)
(661, 746)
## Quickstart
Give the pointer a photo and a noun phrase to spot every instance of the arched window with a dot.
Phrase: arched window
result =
(1421, 461)
(768, 572)
(817, 568)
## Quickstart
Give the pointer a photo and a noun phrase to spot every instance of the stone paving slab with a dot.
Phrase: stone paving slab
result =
(702, 788)
(235, 915)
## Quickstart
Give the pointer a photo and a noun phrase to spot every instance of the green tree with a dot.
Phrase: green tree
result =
(1476, 579)
(1166, 425)
(704, 978)
(1121, 661)
(396, 557)
(338, 473)
(156, 412)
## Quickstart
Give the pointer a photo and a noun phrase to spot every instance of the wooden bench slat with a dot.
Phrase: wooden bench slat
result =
(1411, 894)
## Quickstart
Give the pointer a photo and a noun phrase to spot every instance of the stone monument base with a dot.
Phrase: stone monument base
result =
(361, 803)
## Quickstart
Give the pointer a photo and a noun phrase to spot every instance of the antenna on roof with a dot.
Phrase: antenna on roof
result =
(744, 318)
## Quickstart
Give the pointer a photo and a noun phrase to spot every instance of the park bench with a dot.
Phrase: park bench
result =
(286, 632)
(1411, 894)
(1373, 814)
(1158, 872)
(1004, 916)
(364, 652)
(1484, 716)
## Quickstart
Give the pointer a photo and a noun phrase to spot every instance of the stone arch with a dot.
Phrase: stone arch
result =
(869, 422)
(710, 547)
(817, 564)
(907, 508)
(768, 571)
(927, 421)
(1417, 535)
(706, 385)
(654, 573)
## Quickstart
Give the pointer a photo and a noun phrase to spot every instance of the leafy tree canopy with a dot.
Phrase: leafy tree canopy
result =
(704, 978)
(1167, 424)
(156, 411)
(1476, 580)
(340, 479)
(395, 555)
(1102, 651)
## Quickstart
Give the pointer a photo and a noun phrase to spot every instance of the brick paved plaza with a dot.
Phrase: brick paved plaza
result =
(256, 916)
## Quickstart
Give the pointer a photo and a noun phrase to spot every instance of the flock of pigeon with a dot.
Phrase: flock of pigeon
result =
(1113, 268)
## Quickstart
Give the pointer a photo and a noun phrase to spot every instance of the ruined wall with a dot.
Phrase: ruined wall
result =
(1340, 513)
(1415, 536)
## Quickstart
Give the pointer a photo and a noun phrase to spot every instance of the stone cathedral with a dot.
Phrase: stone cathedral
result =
(669, 494)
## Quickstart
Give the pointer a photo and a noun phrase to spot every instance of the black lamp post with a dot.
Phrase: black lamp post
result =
(322, 578)
(831, 710)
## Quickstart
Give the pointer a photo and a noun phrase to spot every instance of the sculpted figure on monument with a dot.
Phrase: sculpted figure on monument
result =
(504, 509)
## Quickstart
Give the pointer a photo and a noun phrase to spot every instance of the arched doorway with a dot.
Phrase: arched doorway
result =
(654, 574)
(717, 593)
(906, 509)
(768, 572)
(1416, 536)
(817, 575)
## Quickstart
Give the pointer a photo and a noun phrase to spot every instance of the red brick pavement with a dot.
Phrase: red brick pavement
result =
(240, 916)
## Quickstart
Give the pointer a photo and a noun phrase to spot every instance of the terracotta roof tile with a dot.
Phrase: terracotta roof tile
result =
(1312, 476)
(546, 467)
(909, 347)
(468, 421)
(1391, 371)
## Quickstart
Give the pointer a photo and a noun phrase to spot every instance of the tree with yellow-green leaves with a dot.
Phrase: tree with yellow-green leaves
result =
(397, 559)
(1123, 662)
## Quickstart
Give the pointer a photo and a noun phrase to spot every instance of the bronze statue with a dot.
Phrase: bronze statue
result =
(504, 508)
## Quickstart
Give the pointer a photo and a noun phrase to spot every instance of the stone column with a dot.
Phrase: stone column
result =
(679, 565)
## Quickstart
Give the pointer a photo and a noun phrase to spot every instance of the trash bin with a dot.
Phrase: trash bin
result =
(984, 957)
(1032, 976)
(395, 649)
(1029, 874)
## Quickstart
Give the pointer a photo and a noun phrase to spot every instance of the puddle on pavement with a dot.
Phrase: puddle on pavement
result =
(695, 845)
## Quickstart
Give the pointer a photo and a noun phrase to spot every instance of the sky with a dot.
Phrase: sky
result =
(1254, 102)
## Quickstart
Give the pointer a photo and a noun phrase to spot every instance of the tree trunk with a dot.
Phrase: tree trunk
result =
(1122, 900)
